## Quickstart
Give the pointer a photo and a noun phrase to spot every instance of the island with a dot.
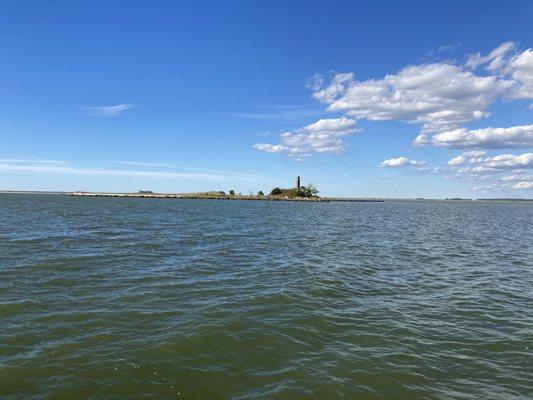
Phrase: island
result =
(300, 193)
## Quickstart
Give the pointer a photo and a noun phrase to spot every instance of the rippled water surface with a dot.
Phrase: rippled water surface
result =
(183, 299)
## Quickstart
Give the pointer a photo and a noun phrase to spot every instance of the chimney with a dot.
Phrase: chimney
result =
(298, 182)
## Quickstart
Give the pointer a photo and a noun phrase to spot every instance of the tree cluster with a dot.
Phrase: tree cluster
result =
(308, 191)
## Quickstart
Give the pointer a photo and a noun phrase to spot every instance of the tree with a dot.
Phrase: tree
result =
(275, 191)
(309, 190)
(232, 192)
(260, 193)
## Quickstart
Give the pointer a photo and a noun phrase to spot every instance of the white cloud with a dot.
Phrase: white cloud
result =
(478, 164)
(504, 161)
(323, 136)
(490, 138)
(281, 113)
(517, 177)
(438, 96)
(315, 82)
(445, 48)
(401, 162)
(143, 164)
(459, 160)
(520, 68)
(30, 161)
(271, 148)
(206, 175)
(495, 60)
(517, 67)
(523, 185)
(441, 97)
(475, 153)
(466, 156)
(107, 111)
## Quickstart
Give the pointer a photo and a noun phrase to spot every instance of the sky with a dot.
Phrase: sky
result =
(364, 99)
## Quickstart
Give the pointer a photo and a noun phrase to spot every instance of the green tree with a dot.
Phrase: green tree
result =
(309, 190)
(232, 192)
(275, 191)
(260, 193)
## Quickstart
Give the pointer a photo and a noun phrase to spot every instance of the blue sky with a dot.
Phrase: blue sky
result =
(393, 99)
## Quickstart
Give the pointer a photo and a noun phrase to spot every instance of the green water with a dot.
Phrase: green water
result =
(183, 299)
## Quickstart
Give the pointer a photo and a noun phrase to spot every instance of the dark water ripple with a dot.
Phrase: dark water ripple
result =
(132, 298)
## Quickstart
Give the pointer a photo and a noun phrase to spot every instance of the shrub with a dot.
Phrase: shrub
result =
(260, 193)
(232, 192)
(276, 191)
(308, 191)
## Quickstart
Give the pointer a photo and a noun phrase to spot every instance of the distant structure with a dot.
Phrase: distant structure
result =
(298, 183)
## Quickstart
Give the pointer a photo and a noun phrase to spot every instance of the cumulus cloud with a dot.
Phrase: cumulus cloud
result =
(498, 172)
(401, 162)
(465, 156)
(323, 136)
(493, 61)
(517, 177)
(490, 138)
(438, 96)
(475, 153)
(520, 68)
(476, 162)
(517, 67)
(459, 160)
(441, 97)
(107, 111)
(523, 185)
(504, 161)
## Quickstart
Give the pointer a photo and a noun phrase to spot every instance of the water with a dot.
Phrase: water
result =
(183, 299)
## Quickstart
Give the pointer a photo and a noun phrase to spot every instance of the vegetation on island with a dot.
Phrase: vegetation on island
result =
(306, 192)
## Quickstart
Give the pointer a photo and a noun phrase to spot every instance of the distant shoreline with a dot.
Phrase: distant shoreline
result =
(186, 196)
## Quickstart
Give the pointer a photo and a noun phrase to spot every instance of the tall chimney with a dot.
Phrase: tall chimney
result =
(298, 182)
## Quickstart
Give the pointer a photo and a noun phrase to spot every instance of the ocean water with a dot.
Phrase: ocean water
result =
(184, 299)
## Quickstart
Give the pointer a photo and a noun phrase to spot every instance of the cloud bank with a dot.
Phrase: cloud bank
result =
(440, 97)
(504, 170)
(437, 96)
